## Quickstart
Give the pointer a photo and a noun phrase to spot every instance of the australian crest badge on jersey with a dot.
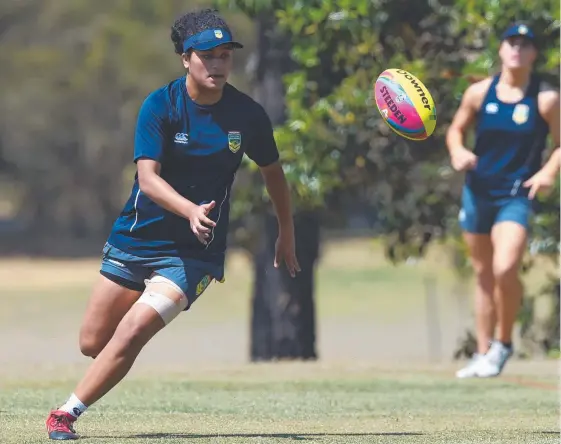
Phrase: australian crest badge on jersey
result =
(234, 141)
(201, 286)
(520, 113)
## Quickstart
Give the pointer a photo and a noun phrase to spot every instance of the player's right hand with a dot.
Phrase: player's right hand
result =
(199, 221)
(463, 159)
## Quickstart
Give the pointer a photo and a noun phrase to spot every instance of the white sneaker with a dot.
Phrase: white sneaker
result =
(470, 370)
(494, 360)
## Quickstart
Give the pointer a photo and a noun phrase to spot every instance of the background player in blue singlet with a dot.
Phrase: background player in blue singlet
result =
(169, 241)
(514, 112)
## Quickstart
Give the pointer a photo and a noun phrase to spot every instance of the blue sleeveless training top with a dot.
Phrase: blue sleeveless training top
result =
(510, 140)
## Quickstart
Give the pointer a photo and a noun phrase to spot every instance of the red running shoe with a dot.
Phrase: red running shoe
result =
(59, 426)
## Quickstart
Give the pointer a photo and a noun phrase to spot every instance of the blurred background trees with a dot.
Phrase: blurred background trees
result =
(74, 73)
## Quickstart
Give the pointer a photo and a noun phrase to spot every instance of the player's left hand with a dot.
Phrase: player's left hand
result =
(541, 181)
(285, 248)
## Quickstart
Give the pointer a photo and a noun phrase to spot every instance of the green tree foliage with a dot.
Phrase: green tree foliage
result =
(334, 144)
(74, 75)
(334, 141)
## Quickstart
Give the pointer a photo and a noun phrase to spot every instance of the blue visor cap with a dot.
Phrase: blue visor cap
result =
(208, 39)
(519, 30)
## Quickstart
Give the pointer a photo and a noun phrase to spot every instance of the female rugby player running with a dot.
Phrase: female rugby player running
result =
(514, 112)
(169, 241)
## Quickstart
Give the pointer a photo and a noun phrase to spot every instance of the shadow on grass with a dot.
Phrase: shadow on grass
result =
(294, 436)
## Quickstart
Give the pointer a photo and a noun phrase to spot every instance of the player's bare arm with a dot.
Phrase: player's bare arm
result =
(279, 192)
(162, 193)
(461, 157)
(548, 104)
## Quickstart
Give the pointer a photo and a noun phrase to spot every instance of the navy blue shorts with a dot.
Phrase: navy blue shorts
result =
(479, 214)
(191, 275)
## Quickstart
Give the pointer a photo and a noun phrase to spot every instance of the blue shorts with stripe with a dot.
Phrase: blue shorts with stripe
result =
(479, 213)
(191, 275)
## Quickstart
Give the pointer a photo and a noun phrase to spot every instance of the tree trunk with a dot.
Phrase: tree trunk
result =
(283, 319)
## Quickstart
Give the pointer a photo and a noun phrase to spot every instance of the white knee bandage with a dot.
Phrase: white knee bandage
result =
(166, 307)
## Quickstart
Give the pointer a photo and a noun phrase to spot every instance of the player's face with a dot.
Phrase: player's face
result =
(210, 69)
(517, 53)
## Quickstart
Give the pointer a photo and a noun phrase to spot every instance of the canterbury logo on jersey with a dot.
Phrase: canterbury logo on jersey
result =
(182, 138)
(492, 108)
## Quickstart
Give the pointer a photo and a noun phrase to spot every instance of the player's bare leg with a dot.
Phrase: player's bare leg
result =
(161, 302)
(509, 241)
(107, 306)
(481, 253)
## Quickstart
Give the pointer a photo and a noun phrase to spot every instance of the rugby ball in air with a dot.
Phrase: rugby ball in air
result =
(405, 104)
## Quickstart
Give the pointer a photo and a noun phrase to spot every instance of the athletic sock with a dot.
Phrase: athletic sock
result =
(74, 406)
(507, 344)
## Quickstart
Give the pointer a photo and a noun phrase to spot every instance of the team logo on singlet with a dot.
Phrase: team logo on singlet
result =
(492, 108)
(201, 286)
(182, 138)
(234, 141)
(520, 114)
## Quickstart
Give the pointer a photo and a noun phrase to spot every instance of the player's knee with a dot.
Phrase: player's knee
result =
(90, 346)
(483, 271)
(505, 271)
(130, 336)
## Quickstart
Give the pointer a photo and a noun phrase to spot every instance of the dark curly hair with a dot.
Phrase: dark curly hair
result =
(194, 22)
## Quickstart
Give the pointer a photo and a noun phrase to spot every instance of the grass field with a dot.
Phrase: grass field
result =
(288, 403)
(384, 374)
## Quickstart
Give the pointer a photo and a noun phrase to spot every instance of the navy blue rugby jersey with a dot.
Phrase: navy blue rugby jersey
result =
(200, 148)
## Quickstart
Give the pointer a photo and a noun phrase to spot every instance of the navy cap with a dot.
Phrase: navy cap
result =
(518, 30)
(208, 39)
